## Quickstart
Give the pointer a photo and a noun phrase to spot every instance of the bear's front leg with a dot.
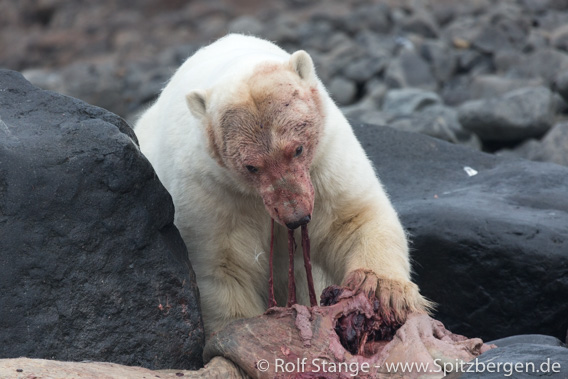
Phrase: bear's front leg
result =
(228, 295)
(371, 256)
(397, 297)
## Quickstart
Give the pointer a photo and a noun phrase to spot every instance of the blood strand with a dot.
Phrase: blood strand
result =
(271, 299)
(291, 280)
(308, 265)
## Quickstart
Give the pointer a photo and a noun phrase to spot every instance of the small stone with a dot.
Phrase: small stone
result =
(461, 43)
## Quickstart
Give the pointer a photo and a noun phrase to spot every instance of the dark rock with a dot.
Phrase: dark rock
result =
(508, 59)
(552, 148)
(421, 23)
(559, 38)
(283, 29)
(536, 339)
(404, 102)
(537, 39)
(367, 109)
(91, 265)
(463, 28)
(467, 60)
(561, 84)
(525, 360)
(456, 90)
(491, 249)
(342, 90)
(409, 69)
(246, 25)
(364, 68)
(122, 89)
(544, 63)
(316, 35)
(441, 58)
(488, 86)
(374, 17)
(517, 115)
(504, 28)
(436, 121)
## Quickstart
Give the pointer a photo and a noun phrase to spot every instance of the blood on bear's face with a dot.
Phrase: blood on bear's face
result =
(266, 132)
(282, 180)
(271, 139)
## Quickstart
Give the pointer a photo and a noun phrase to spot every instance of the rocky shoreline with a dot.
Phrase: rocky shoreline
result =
(487, 74)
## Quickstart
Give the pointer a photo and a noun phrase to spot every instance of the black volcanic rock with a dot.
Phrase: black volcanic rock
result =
(91, 265)
(491, 249)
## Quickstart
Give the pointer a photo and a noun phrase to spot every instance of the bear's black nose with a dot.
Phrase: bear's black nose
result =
(303, 221)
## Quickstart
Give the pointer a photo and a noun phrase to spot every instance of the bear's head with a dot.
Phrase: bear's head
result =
(264, 130)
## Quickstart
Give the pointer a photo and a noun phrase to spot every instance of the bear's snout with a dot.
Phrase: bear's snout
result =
(289, 200)
(295, 224)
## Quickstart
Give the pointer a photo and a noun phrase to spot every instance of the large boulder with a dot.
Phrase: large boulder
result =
(91, 265)
(517, 115)
(489, 236)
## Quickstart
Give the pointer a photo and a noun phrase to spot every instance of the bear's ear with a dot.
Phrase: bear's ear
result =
(197, 103)
(302, 63)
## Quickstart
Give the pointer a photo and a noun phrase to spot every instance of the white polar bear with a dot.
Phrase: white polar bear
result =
(245, 132)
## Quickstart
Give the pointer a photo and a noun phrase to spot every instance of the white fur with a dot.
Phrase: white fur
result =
(225, 225)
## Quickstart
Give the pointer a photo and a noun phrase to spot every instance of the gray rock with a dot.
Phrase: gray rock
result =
(488, 86)
(421, 23)
(456, 90)
(122, 89)
(517, 115)
(561, 84)
(283, 29)
(489, 249)
(505, 28)
(246, 25)
(552, 148)
(315, 35)
(409, 69)
(374, 17)
(436, 121)
(91, 265)
(544, 63)
(471, 61)
(406, 101)
(525, 360)
(537, 39)
(364, 68)
(508, 60)
(559, 38)
(441, 57)
(342, 90)
(375, 91)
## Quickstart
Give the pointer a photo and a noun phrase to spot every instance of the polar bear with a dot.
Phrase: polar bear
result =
(245, 132)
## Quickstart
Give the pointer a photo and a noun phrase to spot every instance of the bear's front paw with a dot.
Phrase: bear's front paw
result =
(397, 298)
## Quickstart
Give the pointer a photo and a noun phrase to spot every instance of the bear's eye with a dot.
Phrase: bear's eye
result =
(251, 169)
(299, 151)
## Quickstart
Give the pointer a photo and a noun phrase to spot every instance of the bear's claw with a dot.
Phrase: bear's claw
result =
(397, 298)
